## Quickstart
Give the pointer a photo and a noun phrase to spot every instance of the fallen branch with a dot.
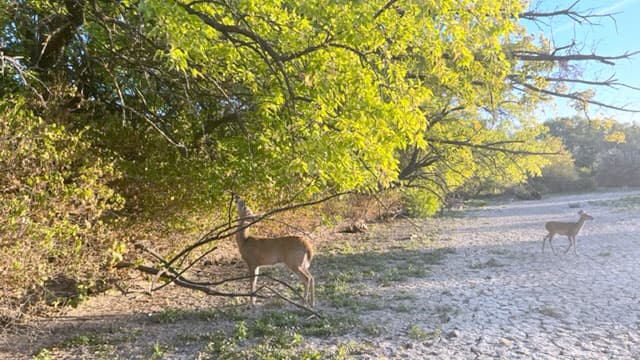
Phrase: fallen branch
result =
(205, 287)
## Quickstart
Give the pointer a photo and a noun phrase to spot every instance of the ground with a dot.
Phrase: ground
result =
(473, 284)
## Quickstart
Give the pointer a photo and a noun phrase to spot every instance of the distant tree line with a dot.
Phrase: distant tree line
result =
(599, 153)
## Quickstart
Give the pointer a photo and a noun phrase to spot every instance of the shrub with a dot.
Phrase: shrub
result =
(420, 202)
(54, 194)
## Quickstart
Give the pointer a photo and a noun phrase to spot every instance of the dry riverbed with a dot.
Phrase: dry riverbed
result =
(471, 285)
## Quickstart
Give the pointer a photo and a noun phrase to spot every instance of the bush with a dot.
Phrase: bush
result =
(562, 176)
(420, 202)
(54, 194)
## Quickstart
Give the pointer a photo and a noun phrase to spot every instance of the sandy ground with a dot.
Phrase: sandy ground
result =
(495, 296)
(503, 298)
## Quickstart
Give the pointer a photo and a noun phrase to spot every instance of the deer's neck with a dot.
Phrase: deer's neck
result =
(579, 224)
(243, 232)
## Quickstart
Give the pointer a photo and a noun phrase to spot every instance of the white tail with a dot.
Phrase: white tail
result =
(294, 251)
(570, 229)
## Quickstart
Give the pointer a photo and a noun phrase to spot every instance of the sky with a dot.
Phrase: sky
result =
(609, 37)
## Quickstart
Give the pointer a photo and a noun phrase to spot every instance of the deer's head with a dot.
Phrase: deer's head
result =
(243, 209)
(584, 215)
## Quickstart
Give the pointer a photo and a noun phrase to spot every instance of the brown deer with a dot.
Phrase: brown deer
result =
(294, 251)
(570, 229)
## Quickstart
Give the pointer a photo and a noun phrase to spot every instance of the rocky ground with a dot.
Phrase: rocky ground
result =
(505, 298)
(473, 285)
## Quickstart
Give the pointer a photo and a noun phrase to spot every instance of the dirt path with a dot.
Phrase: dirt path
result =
(503, 298)
(482, 289)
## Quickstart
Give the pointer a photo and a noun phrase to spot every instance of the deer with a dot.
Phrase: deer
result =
(295, 252)
(570, 229)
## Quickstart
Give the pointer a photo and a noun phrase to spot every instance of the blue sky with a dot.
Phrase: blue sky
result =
(608, 37)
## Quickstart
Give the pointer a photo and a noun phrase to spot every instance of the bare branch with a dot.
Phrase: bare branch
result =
(205, 287)
(494, 146)
(610, 82)
(572, 96)
(570, 12)
(540, 56)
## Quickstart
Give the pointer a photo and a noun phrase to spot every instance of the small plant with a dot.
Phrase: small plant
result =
(346, 350)
(605, 253)
(43, 354)
(419, 334)
(158, 351)
(549, 311)
(373, 330)
(91, 339)
(491, 263)
(240, 332)
(168, 316)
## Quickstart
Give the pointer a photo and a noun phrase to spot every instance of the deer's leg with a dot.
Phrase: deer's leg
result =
(311, 296)
(575, 246)
(550, 236)
(570, 244)
(306, 279)
(544, 239)
(254, 272)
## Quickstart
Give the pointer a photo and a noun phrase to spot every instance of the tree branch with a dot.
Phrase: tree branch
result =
(539, 56)
(494, 146)
(572, 96)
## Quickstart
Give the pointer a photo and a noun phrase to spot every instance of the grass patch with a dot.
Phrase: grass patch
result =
(277, 335)
(491, 263)
(90, 339)
(158, 351)
(631, 202)
(605, 253)
(415, 332)
(170, 316)
(549, 311)
(404, 296)
(373, 330)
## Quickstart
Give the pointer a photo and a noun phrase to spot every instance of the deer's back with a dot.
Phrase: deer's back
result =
(269, 251)
(562, 228)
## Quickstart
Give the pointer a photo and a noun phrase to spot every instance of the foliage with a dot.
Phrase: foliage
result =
(606, 154)
(561, 175)
(54, 195)
(421, 202)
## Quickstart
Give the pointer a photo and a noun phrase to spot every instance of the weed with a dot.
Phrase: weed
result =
(240, 331)
(158, 351)
(373, 330)
(168, 316)
(417, 333)
(491, 263)
(91, 339)
(43, 354)
(403, 296)
(549, 311)
(346, 350)
(402, 308)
